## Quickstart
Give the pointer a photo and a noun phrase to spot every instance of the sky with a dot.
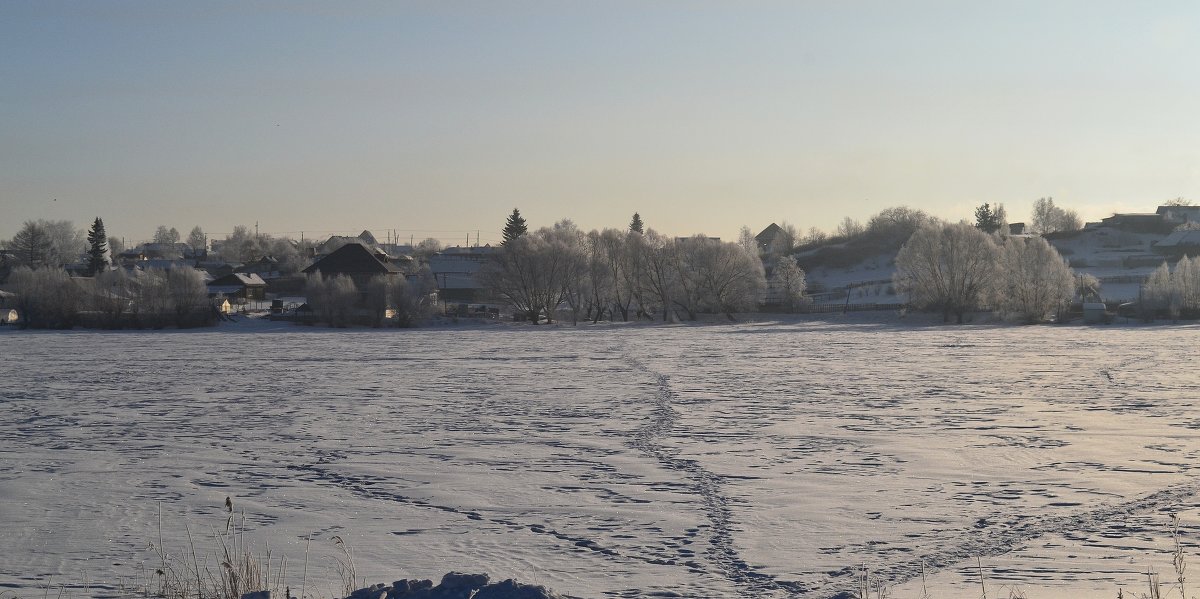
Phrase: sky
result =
(436, 119)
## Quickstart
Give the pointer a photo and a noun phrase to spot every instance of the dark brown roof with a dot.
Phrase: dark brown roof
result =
(768, 234)
(352, 258)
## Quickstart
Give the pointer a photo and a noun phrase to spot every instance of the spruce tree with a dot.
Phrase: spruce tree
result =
(514, 227)
(987, 219)
(97, 248)
(636, 225)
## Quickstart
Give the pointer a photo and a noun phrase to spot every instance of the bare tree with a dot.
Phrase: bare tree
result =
(747, 241)
(568, 241)
(111, 297)
(384, 296)
(789, 282)
(31, 245)
(1031, 280)
(897, 224)
(165, 236)
(601, 278)
(1174, 291)
(613, 256)
(657, 274)
(188, 297)
(1159, 294)
(1048, 218)
(529, 274)
(850, 228)
(47, 298)
(425, 249)
(814, 236)
(730, 278)
(946, 267)
(333, 299)
(197, 240)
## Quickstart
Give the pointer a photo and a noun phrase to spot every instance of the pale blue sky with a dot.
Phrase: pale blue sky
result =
(436, 118)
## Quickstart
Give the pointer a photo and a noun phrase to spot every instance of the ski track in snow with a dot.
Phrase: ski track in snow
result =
(706, 485)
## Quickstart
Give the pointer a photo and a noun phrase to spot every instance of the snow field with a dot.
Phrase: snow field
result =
(752, 460)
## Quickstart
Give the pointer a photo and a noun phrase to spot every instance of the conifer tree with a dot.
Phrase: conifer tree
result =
(514, 227)
(989, 220)
(636, 224)
(97, 248)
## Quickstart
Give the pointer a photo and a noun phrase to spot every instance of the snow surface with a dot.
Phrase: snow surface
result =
(752, 460)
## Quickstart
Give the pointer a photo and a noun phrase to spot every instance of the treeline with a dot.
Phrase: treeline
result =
(957, 268)
(623, 275)
(1173, 293)
(615, 274)
(113, 299)
(383, 301)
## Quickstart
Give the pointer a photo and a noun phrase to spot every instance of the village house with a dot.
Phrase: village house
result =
(243, 286)
(454, 270)
(765, 238)
(356, 261)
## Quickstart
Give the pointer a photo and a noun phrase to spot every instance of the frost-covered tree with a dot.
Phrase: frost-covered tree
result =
(784, 241)
(747, 241)
(165, 236)
(197, 240)
(176, 297)
(815, 236)
(728, 278)
(67, 243)
(529, 273)
(1048, 218)
(657, 274)
(1087, 287)
(239, 245)
(189, 305)
(426, 248)
(612, 259)
(98, 259)
(383, 294)
(47, 298)
(569, 241)
(601, 280)
(850, 228)
(115, 247)
(110, 298)
(1175, 292)
(789, 282)
(946, 268)
(333, 299)
(897, 224)
(1158, 294)
(1031, 280)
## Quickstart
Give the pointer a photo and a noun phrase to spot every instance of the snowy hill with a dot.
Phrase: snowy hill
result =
(1121, 260)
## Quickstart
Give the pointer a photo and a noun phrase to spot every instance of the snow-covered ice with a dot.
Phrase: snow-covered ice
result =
(747, 460)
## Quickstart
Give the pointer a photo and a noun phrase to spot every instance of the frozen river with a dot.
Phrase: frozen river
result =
(751, 460)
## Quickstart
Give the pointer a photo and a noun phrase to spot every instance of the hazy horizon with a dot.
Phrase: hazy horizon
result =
(436, 119)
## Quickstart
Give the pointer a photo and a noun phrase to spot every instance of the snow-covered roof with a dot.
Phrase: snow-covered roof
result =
(1180, 239)
(238, 280)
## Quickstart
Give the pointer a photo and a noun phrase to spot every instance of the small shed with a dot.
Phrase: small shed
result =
(1095, 312)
